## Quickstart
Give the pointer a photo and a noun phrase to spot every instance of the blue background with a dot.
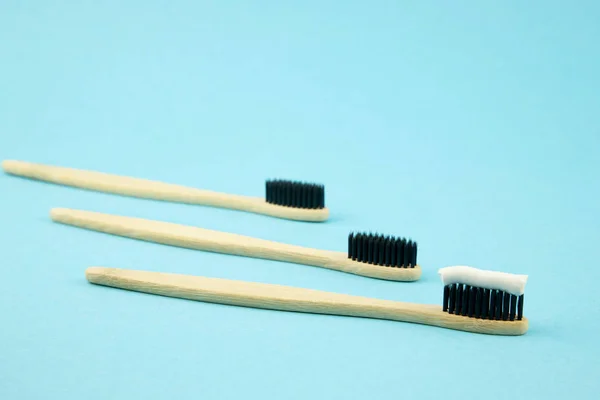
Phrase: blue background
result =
(471, 127)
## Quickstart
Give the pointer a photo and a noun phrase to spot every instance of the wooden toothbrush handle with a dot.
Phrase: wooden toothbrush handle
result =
(189, 236)
(227, 243)
(123, 185)
(143, 188)
(285, 298)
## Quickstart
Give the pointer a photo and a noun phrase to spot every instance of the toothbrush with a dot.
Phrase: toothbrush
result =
(478, 316)
(373, 256)
(284, 198)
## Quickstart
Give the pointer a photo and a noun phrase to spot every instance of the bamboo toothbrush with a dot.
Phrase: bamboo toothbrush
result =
(475, 312)
(368, 255)
(284, 198)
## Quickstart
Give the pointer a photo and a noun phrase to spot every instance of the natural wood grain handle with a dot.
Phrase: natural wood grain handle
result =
(285, 298)
(228, 243)
(143, 188)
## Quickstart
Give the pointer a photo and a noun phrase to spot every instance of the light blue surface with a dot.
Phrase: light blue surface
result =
(472, 128)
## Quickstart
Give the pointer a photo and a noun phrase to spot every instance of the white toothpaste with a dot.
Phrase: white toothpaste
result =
(511, 283)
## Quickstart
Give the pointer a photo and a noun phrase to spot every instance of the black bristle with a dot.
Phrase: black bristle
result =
(371, 253)
(465, 301)
(280, 189)
(287, 197)
(314, 196)
(308, 196)
(350, 245)
(295, 194)
(452, 304)
(365, 247)
(268, 191)
(485, 304)
(382, 250)
(283, 194)
(413, 259)
(471, 309)
(292, 192)
(478, 300)
(513, 307)
(506, 307)
(359, 247)
(400, 252)
(492, 313)
(378, 253)
(388, 252)
(322, 196)
(280, 192)
(459, 298)
(499, 298)
(520, 307)
(274, 192)
(376, 249)
(297, 197)
(305, 199)
(446, 298)
(407, 254)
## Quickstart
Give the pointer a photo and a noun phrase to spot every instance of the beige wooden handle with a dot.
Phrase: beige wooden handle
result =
(228, 243)
(285, 298)
(143, 188)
